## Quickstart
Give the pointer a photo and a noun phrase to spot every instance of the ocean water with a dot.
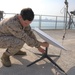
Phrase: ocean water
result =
(48, 25)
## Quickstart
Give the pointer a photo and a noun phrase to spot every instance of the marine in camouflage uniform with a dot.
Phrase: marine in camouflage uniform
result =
(13, 35)
(15, 32)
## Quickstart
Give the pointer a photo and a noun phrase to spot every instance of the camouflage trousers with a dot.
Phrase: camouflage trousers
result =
(12, 44)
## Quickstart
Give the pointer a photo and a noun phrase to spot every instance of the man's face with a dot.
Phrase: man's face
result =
(26, 23)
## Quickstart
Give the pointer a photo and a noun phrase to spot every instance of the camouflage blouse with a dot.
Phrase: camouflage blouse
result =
(12, 27)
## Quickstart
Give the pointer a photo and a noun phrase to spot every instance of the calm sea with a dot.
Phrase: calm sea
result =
(48, 25)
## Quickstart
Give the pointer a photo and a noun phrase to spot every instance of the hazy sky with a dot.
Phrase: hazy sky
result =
(43, 7)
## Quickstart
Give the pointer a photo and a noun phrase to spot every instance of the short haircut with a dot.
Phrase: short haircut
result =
(27, 14)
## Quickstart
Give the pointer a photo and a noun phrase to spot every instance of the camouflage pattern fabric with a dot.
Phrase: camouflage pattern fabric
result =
(13, 35)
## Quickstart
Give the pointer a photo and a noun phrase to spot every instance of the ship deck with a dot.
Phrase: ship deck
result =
(44, 67)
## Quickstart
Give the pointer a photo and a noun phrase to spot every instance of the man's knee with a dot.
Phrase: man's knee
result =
(14, 45)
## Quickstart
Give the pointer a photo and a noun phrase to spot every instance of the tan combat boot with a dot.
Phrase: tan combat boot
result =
(5, 60)
(20, 53)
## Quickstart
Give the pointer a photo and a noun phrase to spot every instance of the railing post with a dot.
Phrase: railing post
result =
(1, 15)
(56, 23)
(39, 21)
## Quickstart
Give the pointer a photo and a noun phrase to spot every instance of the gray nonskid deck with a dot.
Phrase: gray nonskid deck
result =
(44, 67)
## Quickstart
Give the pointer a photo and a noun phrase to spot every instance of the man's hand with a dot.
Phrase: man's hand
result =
(41, 50)
(44, 44)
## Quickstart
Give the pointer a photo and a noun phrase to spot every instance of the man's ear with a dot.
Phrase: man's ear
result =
(19, 17)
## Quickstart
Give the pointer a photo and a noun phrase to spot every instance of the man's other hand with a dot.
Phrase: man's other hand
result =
(44, 44)
(41, 50)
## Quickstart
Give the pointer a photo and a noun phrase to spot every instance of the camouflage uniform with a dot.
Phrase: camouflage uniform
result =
(13, 35)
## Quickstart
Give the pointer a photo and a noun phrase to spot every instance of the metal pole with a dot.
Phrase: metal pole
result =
(65, 17)
(66, 11)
